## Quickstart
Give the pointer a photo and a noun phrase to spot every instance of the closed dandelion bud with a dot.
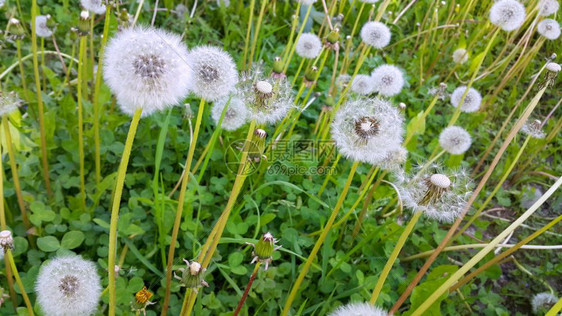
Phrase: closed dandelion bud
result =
(6, 240)
(9, 102)
(96, 6)
(533, 129)
(192, 276)
(142, 301)
(308, 46)
(471, 102)
(509, 15)
(264, 248)
(543, 302)
(549, 28)
(235, 116)
(310, 75)
(358, 309)
(68, 286)
(215, 73)
(460, 56)
(15, 30)
(363, 84)
(278, 66)
(83, 26)
(375, 34)
(124, 18)
(548, 7)
(41, 26)
(455, 140)
(330, 101)
(388, 80)
(333, 38)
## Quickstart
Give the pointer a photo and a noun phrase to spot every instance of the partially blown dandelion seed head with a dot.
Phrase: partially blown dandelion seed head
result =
(308, 46)
(95, 6)
(388, 80)
(358, 309)
(363, 84)
(68, 286)
(548, 7)
(235, 116)
(41, 28)
(215, 73)
(9, 102)
(375, 34)
(147, 68)
(439, 195)
(507, 14)
(549, 28)
(460, 56)
(533, 128)
(455, 140)
(367, 130)
(542, 302)
(471, 102)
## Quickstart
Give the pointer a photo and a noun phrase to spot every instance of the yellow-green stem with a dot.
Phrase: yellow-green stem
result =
(22, 73)
(319, 242)
(257, 33)
(120, 181)
(248, 33)
(555, 309)
(79, 88)
(10, 258)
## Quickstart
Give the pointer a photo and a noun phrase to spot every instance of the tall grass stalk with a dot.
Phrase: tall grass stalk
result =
(80, 88)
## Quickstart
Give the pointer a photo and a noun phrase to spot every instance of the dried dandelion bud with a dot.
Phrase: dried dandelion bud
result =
(83, 27)
(192, 276)
(15, 30)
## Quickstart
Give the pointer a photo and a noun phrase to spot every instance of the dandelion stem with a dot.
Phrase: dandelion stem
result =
(555, 309)
(10, 258)
(80, 88)
(247, 290)
(248, 33)
(257, 33)
(22, 73)
(3, 227)
(119, 182)
(319, 242)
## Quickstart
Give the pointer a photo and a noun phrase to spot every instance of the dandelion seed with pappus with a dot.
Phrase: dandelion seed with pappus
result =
(471, 102)
(363, 84)
(455, 140)
(68, 286)
(308, 46)
(388, 80)
(147, 68)
(533, 128)
(215, 73)
(460, 56)
(548, 7)
(375, 34)
(95, 6)
(543, 302)
(509, 15)
(358, 309)
(235, 116)
(41, 27)
(367, 130)
(549, 28)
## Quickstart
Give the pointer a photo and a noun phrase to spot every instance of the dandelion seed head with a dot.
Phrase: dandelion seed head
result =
(375, 34)
(548, 7)
(308, 46)
(554, 67)
(363, 84)
(549, 28)
(215, 73)
(542, 302)
(147, 68)
(455, 140)
(471, 102)
(507, 14)
(235, 116)
(95, 6)
(367, 130)
(68, 286)
(460, 56)
(358, 309)
(41, 28)
(533, 128)
(9, 102)
(388, 80)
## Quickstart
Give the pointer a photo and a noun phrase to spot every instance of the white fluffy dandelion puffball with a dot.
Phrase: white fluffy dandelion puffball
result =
(375, 34)
(543, 302)
(455, 140)
(308, 46)
(507, 14)
(9, 102)
(95, 6)
(358, 309)
(363, 84)
(235, 116)
(548, 7)
(214, 72)
(549, 28)
(68, 286)
(368, 130)
(460, 56)
(471, 102)
(147, 68)
(41, 28)
(388, 80)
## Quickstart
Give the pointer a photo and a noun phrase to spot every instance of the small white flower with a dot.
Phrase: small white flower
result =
(363, 84)
(460, 56)
(214, 72)
(507, 14)
(533, 129)
(455, 140)
(368, 130)
(542, 302)
(68, 286)
(9, 102)
(147, 68)
(375, 34)
(548, 7)
(308, 46)
(388, 80)
(358, 309)
(471, 102)
(95, 6)
(41, 28)
(235, 116)
(549, 28)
